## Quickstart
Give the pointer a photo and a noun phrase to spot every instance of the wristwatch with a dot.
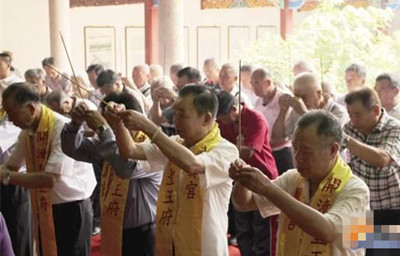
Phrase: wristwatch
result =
(101, 129)
(6, 179)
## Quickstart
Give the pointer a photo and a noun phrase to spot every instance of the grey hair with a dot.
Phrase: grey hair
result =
(34, 73)
(358, 69)
(392, 78)
(264, 73)
(211, 61)
(326, 124)
(57, 96)
(143, 67)
(232, 69)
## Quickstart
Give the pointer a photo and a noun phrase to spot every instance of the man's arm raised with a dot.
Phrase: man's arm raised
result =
(127, 147)
(308, 219)
(174, 151)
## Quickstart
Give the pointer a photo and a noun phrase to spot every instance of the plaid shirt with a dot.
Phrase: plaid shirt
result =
(383, 183)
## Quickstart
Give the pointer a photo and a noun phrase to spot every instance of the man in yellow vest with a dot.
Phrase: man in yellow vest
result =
(316, 200)
(194, 195)
(60, 187)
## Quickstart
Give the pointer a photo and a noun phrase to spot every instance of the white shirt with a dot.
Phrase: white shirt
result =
(244, 97)
(395, 111)
(77, 179)
(12, 78)
(353, 201)
(218, 188)
(271, 112)
(144, 102)
(8, 137)
(95, 97)
(89, 104)
(252, 96)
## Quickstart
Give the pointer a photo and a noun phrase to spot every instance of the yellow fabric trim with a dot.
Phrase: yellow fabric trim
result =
(37, 150)
(113, 194)
(294, 241)
(180, 206)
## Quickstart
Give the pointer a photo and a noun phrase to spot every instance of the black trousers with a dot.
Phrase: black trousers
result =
(253, 233)
(385, 217)
(140, 241)
(73, 227)
(16, 208)
(283, 159)
(95, 198)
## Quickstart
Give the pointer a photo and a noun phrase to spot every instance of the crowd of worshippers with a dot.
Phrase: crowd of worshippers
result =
(173, 164)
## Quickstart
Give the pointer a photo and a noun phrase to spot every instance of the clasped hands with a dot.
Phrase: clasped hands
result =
(287, 100)
(113, 114)
(249, 177)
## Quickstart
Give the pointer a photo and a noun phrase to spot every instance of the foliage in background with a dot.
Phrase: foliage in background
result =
(331, 38)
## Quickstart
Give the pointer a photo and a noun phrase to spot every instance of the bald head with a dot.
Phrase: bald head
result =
(308, 87)
(302, 66)
(308, 81)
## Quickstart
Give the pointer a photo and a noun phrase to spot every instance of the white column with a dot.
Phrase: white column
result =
(170, 33)
(2, 24)
(60, 23)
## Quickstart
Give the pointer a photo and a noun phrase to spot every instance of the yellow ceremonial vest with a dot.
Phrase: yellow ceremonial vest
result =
(294, 241)
(113, 194)
(180, 206)
(2, 114)
(37, 150)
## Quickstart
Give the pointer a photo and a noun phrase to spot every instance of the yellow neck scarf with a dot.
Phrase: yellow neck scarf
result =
(180, 206)
(113, 194)
(37, 150)
(294, 241)
(2, 114)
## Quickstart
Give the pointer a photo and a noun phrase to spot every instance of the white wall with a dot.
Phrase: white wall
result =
(25, 31)
(24, 28)
(115, 16)
(1, 25)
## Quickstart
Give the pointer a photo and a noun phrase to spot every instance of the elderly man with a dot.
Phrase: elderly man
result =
(194, 195)
(302, 66)
(245, 75)
(60, 187)
(7, 77)
(108, 81)
(187, 75)
(93, 72)
(255, 150)
(373, 140)
(268, 105)
(140, 77)
(211, 71)
(37, 77)
(63, 104)
(173, 72)
(54, 80)
(355, 77)
(308, 95)
(387, 87)
(316, 200)
(228, 78)
(154, 71)
(129, 228)
(14, 200)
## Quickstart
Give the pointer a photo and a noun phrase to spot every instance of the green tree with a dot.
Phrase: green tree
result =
(332, 37)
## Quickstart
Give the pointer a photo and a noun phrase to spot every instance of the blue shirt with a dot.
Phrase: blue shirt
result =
(141, 202)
